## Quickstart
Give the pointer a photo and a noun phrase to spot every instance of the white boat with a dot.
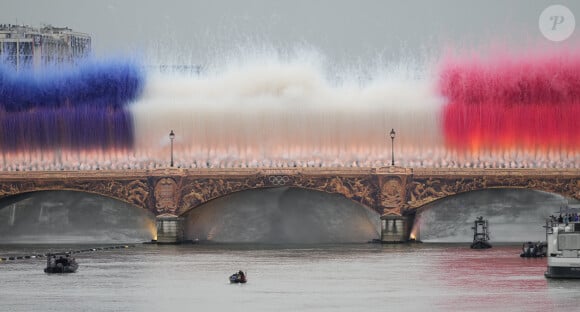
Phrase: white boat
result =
(563, 250)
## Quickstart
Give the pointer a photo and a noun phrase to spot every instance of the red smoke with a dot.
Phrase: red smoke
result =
(530, 102)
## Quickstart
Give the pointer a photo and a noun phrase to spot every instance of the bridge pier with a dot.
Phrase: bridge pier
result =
(169, 229)
(394, 229)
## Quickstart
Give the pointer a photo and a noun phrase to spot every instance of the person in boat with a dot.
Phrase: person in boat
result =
(238, 277)
(62, 261)
(59, 261)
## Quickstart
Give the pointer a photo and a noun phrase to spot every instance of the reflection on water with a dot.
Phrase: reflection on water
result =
(347, 277)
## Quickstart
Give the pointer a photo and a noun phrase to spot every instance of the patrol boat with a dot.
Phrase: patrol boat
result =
(480, 234)
(63, 264)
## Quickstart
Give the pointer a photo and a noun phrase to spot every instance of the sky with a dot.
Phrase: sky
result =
(346, 32)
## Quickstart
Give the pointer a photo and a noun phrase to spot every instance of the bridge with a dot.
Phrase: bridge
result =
(393, 192)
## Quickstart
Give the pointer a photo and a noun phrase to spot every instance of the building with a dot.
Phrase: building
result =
(27, 47)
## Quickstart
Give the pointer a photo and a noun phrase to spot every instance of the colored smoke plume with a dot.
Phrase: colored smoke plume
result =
(111, 84)
(66, 128)
(287, 111)
(530, 102)
(81, 107)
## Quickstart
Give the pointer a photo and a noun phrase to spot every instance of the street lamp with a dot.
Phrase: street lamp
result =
(171, 137)
(392, 147)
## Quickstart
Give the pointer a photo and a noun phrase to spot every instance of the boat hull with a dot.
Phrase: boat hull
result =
(235, 279)
(562, 272)
(563, 251)
(65, 269)
(63, 264)
(480, 245)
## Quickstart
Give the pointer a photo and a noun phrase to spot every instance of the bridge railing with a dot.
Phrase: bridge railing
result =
(495, 172)
(338, 171)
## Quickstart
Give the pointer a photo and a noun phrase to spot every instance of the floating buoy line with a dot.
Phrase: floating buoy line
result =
(70, 252)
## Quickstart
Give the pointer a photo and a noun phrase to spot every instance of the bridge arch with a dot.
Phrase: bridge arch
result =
(16, 196)
(190, 203)
(440, 200)
(135, 192)
(423, 190)
(514, 214)
(72, 216)
(282, 214)
(195, 192)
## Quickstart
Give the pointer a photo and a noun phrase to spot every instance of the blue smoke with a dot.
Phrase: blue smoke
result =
(80, 107)
(112, 84)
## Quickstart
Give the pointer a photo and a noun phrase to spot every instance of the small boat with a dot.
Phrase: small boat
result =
(60, 263)
(239, 277)
(534, 250)
(480, 234)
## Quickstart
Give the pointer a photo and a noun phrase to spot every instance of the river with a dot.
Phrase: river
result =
(344, 277)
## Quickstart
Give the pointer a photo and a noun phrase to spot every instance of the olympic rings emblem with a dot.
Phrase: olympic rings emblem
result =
(279, 180)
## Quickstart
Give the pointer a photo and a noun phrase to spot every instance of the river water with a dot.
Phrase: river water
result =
(344, 277)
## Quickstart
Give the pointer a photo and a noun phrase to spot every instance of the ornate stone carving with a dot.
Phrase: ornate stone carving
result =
(176, 191)
(363, 190)
(135, 192)
(391, 193)
(359, 189)
(279, 180)
(424, 190)
(138, 193)
(198, 191)
(8, 190)
(166, 196)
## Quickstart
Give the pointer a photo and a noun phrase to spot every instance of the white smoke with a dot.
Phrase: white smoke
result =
(280, 112)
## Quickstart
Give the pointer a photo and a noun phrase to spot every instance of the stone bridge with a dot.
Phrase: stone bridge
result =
(390, 191)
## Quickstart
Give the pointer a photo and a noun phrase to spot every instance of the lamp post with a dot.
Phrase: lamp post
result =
(392, 147)
(171, 137)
